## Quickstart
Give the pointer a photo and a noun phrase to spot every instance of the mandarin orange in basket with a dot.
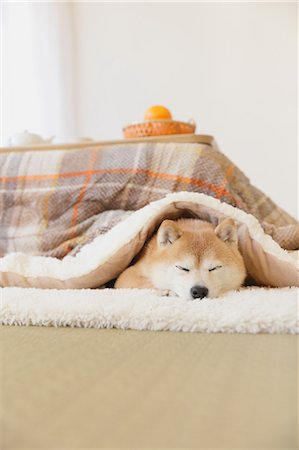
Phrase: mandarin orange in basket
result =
(157, 112)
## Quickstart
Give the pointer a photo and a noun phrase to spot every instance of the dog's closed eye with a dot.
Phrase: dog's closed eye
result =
(215, 268)
(183, 268)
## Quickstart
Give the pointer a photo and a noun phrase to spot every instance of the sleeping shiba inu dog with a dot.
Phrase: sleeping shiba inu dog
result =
(189, 258)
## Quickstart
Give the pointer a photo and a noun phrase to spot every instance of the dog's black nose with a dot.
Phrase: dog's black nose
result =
(199, 291)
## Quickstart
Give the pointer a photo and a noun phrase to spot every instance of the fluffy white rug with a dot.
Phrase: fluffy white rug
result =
(254, 310)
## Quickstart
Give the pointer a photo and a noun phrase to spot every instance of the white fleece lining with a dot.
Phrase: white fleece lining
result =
(102, 248)
(251, 310)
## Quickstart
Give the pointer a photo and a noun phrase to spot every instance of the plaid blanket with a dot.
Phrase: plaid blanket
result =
(53, 202)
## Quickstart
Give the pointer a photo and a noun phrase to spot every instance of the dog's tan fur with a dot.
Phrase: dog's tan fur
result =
(210, 254)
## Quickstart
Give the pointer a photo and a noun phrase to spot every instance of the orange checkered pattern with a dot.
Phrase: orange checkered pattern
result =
(52, 203)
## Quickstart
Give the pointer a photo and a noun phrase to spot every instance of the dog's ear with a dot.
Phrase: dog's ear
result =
(227, 231)
(168, 233)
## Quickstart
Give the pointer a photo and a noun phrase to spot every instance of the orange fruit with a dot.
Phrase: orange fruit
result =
(157, 112)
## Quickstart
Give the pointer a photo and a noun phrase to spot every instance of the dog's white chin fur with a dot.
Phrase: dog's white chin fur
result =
(210, 296)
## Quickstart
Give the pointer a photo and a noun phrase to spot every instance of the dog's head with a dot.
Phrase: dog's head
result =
(194, 260)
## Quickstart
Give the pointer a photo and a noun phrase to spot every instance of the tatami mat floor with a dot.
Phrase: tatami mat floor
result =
(89, 388)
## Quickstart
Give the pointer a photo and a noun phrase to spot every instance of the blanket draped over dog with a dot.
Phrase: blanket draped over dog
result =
(76, 218)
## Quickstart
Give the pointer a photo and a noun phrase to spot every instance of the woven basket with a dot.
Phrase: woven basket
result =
(158, 128)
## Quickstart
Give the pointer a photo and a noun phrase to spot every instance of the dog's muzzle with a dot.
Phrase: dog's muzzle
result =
(199, 292)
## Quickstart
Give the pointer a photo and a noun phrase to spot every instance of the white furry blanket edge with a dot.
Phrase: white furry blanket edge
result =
(251, 310)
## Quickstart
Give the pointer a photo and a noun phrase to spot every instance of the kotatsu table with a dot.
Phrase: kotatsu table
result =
(64, 387)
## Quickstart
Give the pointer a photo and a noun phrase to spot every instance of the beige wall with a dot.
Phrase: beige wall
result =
(37, 69)
(230, 66)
